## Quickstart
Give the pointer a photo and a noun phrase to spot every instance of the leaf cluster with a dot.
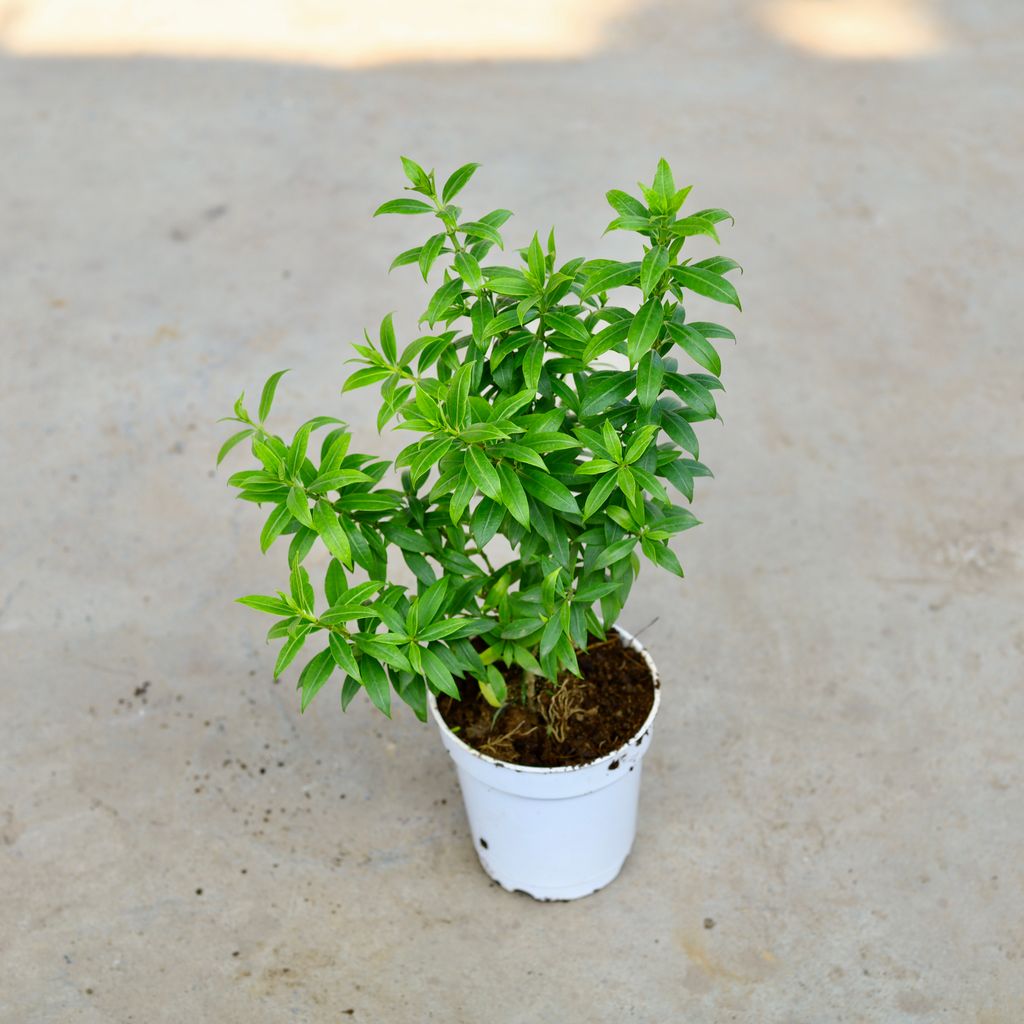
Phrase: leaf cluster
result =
(552, 403)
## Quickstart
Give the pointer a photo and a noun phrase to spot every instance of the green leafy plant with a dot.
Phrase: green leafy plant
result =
(543, 412)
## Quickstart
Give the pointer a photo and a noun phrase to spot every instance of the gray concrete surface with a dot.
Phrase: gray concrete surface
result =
(836, 778)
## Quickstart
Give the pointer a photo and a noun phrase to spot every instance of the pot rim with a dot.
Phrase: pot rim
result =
(532, 769)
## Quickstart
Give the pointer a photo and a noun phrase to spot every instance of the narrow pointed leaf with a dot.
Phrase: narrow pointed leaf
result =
(376, 683)
(649, 375)
(483, 473)
(644, 330)
(325, 522)
(547, 489)
(403, 206)
(314, 675)
(653, 266)
(711, 286)
(696, 346)
(612, 276)
(290, 648)
(457, 181)
(267, 397)
(513, 496)
(275, 525)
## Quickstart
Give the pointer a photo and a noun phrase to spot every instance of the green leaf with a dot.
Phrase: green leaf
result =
(343, 656)
(275, 525)
(298, 504)
(687, 227)
(403, 259)
(640, 442)
(623, 203)
(547, 441)
(551, 635)
(483, 473)
(567, 325)
(427, 456)
(432, 600)
(650, 483)
(716, 215)
(415, 173)
(464, 490)
(368, 502)
(442, 300)
(676, 521)
(494, 690)
(267, 397)
(291, 647)
(661, 554)
(612, 276)
(664, 186)
(511, 283)
(718, 265)
(595, 467)
(695, 395)
(403, 206)
(599, 493)
(325, 522)
(627, 483)
(520, 453)
(481, 229)
(270, 605)
(477, 432)
(713, 330)
(652, 268)
(630, 223)
(696, 346)
(368, 375)
(457, 181)
(468, 269)
(606, 339)
(649, 375)
(535, 260)
(611, 439)
(615, 552)
(547, 489)
(680, 431)
(533, 362)
(381, 651)
(711, 286)
(438, 674)
(513, 496)
(336, 480)
(334, 582)
(376, 683)
(302, 589)
(314, 675)
(487, 517)
(405, 538)
(388, 344)
(348, 690)
(644, 330)
(603, 390)
(431, 249)
(457, 402)
(230, 443)
(301, 545)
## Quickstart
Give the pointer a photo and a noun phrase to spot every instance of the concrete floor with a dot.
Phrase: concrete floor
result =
(835, 781)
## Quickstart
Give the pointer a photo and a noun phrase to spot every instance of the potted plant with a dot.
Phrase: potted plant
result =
(551, 426)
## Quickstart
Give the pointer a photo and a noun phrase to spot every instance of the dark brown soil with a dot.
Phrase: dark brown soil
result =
(580, 720)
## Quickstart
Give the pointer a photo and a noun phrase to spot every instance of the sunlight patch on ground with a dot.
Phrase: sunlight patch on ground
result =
(857, 29)
(335, 32)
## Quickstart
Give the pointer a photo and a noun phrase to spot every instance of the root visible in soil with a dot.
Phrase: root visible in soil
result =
(574, 722)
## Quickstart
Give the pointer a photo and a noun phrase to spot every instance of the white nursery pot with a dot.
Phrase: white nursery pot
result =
(553, 833)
